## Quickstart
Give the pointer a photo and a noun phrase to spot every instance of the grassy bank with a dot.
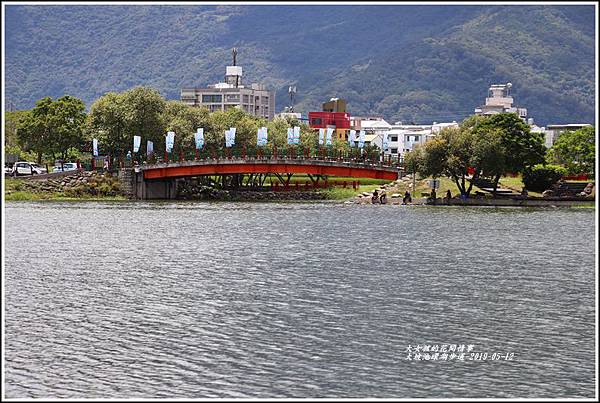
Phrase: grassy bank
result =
(25, 190)
(340, 193)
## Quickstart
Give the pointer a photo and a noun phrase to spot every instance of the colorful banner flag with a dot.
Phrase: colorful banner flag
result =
(385, 141)
(352, 137)
(149, 148)
(170, 141)
(329, 134)
(199, 138)
(137, 141)
(296, 135)
(95, 147)
(290, 135)
(361, 139)
(321, 136)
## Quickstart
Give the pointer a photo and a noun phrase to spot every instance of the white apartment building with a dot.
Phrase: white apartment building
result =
(256, 99)
(401, 138)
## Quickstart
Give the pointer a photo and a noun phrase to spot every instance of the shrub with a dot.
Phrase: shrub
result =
(542, 177)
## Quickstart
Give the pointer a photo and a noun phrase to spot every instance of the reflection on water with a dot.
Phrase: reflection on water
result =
(191, 300)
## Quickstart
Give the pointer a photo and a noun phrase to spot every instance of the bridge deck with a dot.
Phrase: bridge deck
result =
(266, 166)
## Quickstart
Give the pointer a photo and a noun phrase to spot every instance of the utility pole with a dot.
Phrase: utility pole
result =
(292, 92)
(234, 52)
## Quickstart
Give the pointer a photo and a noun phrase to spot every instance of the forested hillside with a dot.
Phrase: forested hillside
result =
(410, 63)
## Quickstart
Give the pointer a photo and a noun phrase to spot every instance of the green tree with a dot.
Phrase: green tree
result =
(143, 111)
(107, 122)
(67, 121)
(35, 130)
(451, 153)
(517, 147)
(413, 159)
(575, 150)
(11, 123)
(52, 127)
(185, 120)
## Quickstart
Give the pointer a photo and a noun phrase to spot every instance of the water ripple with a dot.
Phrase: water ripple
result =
(215, 300)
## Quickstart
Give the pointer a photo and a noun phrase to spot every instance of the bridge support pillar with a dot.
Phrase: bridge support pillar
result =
(155, 189)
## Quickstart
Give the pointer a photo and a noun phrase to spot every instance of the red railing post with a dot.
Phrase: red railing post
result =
(166, 156)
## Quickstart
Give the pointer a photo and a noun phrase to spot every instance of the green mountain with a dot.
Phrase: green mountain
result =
(411, 63)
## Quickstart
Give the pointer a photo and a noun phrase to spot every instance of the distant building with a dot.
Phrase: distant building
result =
(552, 132)
(403, 138)
(334, 105)
(356, 121)
(293, 115)
(375, 127)
(333, 116)
(500, 101)
(255, 99)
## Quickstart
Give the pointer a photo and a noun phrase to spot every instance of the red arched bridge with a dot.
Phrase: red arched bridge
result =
(158, 181)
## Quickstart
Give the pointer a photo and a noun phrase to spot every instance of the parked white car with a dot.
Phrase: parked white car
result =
(67, 166)
(27, 168)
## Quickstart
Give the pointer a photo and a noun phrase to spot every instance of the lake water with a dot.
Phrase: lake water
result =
(201, 300)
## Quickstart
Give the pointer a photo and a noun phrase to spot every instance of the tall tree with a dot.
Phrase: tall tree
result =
(576, 150)
(52, 127)
(67, 121)
(518, 147)
(143, 110)
(107, 122)
(35, 130)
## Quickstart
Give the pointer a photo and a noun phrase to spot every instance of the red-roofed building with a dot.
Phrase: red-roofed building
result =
(338, 120)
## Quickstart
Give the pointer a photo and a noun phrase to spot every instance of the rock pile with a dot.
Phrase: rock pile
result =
(77, 184)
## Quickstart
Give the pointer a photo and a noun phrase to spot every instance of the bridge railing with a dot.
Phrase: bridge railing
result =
(354, 155)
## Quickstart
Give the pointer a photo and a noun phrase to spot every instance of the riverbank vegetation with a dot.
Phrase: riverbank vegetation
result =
(95, 187)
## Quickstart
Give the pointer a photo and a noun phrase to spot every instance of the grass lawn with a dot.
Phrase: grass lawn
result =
(516, 184)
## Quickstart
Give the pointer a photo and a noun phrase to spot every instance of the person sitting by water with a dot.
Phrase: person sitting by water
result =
(383, 197)
(375, 197)
(433, 196)
(407, 198)
(448, 196)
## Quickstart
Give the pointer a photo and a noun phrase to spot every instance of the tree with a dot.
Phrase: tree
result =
(52, 127)
(518, 147)
(451, 154)
(67, 121)
(107, 122)
(11, 123)
(575, 150)
(115, 118)
(34, 130)
(143, 110)
(185, 120)
(413, 159)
